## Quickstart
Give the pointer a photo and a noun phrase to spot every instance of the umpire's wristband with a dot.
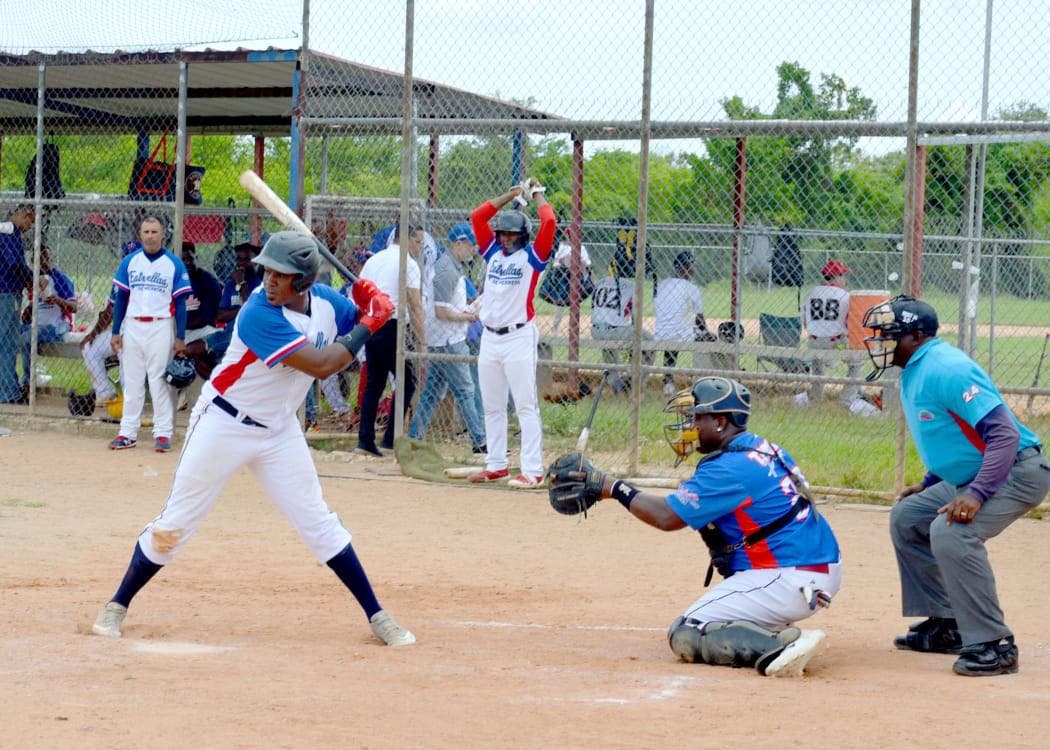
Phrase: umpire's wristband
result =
(354, 340)
(623, 493)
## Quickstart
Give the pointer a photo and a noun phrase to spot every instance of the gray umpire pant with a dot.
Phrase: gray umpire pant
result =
(944, 569)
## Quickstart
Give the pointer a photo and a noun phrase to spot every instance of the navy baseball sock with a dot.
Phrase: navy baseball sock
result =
(140, 570)
(348, 568)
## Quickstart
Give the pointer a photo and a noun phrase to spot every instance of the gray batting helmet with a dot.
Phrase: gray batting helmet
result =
(514, 221)
(180, 372)
(291, 252)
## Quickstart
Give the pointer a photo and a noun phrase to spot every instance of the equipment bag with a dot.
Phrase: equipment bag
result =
(51, 180)
(153, 179)
(555, 286)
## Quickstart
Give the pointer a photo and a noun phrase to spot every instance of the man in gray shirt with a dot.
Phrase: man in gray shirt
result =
(449, 336)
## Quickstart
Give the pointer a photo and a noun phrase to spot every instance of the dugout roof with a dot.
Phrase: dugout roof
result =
(228, 92)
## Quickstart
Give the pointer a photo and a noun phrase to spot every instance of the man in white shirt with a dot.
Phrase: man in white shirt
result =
(825, 310)
(612, 315)
(381, 349)
(679, 309)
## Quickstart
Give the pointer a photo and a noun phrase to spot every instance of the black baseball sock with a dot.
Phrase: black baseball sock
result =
(348, 568)
(140, 570)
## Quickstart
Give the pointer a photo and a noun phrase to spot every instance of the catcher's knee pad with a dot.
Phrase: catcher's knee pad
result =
(735, 644)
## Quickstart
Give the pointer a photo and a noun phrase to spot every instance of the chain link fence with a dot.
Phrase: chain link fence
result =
(704, 184)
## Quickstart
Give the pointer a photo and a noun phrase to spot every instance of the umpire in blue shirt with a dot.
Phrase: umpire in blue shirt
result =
(984, 471)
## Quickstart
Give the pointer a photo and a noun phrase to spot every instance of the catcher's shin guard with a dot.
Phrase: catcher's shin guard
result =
(735, 644)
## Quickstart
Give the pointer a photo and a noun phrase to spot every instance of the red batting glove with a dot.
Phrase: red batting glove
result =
(374, 307)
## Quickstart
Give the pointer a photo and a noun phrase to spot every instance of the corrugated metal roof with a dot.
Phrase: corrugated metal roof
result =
(230, 91)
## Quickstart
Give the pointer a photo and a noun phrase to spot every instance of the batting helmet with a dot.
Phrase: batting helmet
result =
(180, 372)
(294, 253)
(891, 320)
(514, 221)
(80, 406)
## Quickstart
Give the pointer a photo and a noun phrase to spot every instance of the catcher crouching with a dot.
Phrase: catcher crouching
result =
(749, 501)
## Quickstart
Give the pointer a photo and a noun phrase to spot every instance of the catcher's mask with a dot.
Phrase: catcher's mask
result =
(514, 221)
(294, 253)
(889, 321)
(710, 395)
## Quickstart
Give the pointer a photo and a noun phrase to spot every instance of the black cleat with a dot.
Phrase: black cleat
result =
(934, 635)
(988, 659)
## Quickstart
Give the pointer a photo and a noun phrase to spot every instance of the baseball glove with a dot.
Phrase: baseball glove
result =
(575, 485)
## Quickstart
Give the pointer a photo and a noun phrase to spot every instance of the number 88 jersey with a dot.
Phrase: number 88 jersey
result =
(824, 311)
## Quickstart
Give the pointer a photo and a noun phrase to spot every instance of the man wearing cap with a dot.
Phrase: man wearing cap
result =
(448, 335)
(824, 313)
(679, 309)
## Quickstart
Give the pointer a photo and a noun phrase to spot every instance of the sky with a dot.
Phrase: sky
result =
(583, 59)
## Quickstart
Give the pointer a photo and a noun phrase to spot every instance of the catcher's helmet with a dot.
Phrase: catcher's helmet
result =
(514, 221)
(710, 395)
(80, 406)
(891, 320)
(180, 372)
(291, 252)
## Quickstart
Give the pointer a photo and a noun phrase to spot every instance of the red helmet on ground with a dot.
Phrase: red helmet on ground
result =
(834, 268)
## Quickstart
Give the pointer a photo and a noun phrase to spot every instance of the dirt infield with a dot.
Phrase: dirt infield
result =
(534, 630)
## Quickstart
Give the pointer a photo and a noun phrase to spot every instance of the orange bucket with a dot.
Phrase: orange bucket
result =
(860, 301)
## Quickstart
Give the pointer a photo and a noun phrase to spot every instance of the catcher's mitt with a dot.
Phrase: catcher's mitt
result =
(575, 485)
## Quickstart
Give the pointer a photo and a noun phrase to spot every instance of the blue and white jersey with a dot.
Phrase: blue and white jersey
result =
(945, 394)
(152, 283)
(251, 375)
(740, 491)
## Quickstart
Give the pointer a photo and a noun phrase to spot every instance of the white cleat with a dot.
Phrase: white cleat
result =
(109, 620)
(388, 631)
(526, 482)
(792, 660)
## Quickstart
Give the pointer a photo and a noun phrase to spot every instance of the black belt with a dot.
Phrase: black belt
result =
(506, 329)
(1031, 450)
(230, 409)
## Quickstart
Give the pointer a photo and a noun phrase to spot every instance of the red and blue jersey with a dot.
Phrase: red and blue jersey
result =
(740, 491)
(251, 375)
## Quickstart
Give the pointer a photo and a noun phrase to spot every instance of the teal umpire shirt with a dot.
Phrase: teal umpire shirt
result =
(945, 394)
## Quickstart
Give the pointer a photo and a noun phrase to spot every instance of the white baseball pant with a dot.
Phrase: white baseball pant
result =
(508, 362)
(94, 355)
(279, 458)
(145, 355)
(770, 597)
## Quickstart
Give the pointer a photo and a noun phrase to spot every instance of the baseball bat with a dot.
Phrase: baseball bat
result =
(1038, 372)
(585, 433)
(269, 200)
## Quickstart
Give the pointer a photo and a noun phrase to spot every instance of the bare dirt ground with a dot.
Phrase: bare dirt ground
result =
(534, 630)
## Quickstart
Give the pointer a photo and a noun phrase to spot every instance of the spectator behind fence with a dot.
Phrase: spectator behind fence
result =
(15, 275)
(612, 319)
(824, 313)
(96, 347)
(449, 336)
(58, 303)
(679, 308)
(384, 270)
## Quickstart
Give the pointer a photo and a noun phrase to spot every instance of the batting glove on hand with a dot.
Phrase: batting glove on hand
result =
(374, 307)
(533, 186)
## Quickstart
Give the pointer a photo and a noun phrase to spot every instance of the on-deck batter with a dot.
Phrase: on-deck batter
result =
(287, 333)
(507, 360)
